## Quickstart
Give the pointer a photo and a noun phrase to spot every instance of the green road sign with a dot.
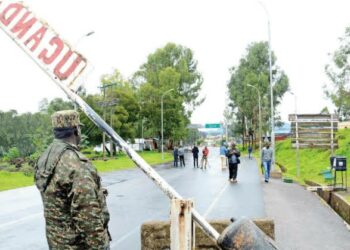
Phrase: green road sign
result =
(212, 125)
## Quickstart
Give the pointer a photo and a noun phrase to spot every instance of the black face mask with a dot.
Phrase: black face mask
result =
(61, 133)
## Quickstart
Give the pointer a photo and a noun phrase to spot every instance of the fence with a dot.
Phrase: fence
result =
(314, 130)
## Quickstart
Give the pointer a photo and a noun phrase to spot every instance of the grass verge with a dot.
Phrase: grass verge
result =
(312, 161)
(12, 180)
(124, 162)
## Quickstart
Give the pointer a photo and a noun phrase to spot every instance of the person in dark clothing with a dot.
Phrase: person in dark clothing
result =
(233, 161)
(195, 152)
(182, 156)
(176, 156)
(250, 150)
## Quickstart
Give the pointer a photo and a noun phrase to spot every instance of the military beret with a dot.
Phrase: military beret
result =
(65, 119)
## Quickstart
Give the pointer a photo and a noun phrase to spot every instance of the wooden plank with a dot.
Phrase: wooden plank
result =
(315, 120)
(319, 188)
(315, 124)
(318, 145)
(313, 140)
(314, 130)
(312, 135)
(292, 117)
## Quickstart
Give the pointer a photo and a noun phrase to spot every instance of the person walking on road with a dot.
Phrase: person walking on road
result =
(75, 208)
(250, 150)
(233, 155)
(182, 156)
(205, 154)
(195, 152)
(266, 158)
(176, 156)
(223, 152)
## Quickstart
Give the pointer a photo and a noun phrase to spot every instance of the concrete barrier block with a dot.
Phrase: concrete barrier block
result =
(276, 174)
(155, 235)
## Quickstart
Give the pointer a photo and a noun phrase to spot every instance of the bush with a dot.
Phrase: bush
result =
(12, 154)
(27, 170)
(10, 168)
(3, 167)
(33, 158)
(87, 151)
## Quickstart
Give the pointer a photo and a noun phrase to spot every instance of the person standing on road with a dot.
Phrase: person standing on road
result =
(195, 152)
(250, 150)
(176, 156)
(266, 158)
(223, 151)
(233, 155)
(182, 156)
(75, 208)
(205, 154)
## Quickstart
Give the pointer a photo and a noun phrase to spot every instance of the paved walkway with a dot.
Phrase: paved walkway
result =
(302, 219)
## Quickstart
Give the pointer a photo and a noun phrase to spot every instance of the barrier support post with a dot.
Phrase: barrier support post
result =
(181, 224)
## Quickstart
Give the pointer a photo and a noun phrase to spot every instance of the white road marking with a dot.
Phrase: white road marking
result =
(212, 205)
(29, 217)
(124, 237)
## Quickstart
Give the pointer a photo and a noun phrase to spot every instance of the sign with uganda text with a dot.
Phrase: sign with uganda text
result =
(50, 52)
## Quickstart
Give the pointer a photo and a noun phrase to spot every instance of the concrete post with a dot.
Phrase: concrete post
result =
(181, 224)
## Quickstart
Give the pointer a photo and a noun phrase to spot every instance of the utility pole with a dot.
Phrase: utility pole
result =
(161, 115)
(105, 104)
(259, 103)
(272, 122)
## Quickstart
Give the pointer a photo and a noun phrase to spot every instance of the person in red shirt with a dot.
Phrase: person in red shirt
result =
(205, 154)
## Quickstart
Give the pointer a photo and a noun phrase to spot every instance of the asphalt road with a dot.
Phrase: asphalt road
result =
(302, 220)
(134, 199)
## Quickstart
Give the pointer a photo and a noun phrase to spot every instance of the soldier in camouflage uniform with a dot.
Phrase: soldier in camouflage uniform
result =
(75, 207)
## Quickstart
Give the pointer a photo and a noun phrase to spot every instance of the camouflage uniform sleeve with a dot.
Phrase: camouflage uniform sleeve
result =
(86, 209)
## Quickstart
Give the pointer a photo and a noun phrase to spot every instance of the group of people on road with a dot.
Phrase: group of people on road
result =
(179, 154)
(228, 156)
(204, 160)
(231, 156)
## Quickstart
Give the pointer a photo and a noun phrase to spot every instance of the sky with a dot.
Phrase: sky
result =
(303, 33)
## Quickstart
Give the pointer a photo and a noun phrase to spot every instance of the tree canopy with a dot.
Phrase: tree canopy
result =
(170, 67)
(338, 71)
(253, 69)
(118, 104)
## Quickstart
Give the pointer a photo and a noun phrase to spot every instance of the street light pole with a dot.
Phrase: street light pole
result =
(271, 86)
(259, 101)
(82, 37)
(296, 135)
(74, 48)
(161, 118)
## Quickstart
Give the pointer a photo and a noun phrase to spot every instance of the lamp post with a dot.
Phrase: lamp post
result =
(296, 134)
(259, 101)
(161, 118)
(82, 37)
(271, 85)
(74, 48)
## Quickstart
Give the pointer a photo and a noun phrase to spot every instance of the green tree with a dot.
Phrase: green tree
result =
(170, 67)
(27, 132)
(56, 104)
(338, 71)
(118, 103)
(253, 69)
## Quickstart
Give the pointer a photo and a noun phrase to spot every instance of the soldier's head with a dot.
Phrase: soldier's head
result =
(66, 125)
